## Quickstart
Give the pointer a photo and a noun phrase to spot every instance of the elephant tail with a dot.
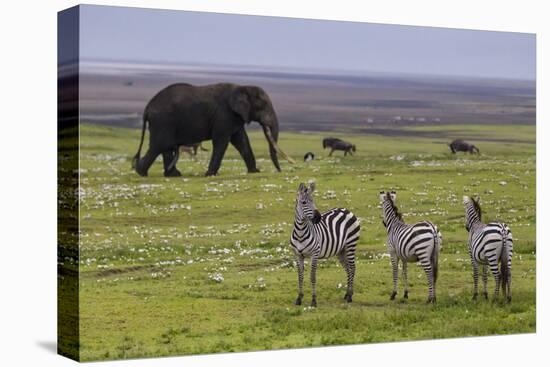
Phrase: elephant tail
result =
(136, 158)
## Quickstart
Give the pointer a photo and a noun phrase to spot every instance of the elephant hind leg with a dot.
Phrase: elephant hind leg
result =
(169, 160)
(142, 167)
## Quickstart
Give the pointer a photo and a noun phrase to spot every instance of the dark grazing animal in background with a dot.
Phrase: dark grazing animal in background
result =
(309, 157)
(410, 243)
(489, 244)
(460, 145)
(184, 114)
(332, 233)
(192, 149)
(338, 144)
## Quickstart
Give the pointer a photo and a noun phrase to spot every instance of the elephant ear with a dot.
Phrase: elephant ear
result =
(240, 103)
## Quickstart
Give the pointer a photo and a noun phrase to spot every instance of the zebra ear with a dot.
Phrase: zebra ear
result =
(477, 199)
(393, 195)
(311, 186)
(382, 195)
(302, 187)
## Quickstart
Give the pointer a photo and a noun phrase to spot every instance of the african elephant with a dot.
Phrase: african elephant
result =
(338, 144)
(184, 114)
(459, 145)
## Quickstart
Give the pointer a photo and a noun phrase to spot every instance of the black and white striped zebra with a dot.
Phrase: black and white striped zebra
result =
(315, 235)
(489, 244)
(410, 243)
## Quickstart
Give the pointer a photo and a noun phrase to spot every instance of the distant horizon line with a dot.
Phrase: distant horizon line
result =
(297, 70)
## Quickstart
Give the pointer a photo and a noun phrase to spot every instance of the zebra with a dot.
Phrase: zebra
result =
(332, 233)
(489, 244)
(410, 243)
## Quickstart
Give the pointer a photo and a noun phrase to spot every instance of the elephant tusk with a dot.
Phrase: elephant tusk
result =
(274, 144)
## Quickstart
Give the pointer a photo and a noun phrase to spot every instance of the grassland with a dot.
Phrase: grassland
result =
(202, 264)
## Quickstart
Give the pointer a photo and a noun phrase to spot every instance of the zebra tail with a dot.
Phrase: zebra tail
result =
(434, 259)
(504, 261)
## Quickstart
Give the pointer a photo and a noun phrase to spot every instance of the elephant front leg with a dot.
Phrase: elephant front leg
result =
(240, 141)
(220, 146)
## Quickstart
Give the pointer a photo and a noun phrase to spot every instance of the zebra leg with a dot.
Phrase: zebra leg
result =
(300, 266)
(426, 264)
(496, 273)
(475, 269)
(405, 282)
(345, 265)
(506, 265)
(484, 279)
(351, 274)
(313, 280)
(350, 261)
(509, 282)
(508, 286)
(395, 268)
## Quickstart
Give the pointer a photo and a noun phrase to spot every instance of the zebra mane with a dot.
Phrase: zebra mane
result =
(394, 207)
(476, 207)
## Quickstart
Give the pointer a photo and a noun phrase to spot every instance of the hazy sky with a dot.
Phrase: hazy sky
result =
(133, 34)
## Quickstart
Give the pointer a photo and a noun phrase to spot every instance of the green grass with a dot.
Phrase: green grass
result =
(152, 248)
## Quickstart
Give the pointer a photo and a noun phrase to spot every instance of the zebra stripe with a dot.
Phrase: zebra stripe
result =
(410, 243)
(489, 244)
(319, 236)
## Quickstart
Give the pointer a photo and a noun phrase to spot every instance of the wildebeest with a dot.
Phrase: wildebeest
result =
(338, 144)
(192, 149)
(309, 156)
(459, 145)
